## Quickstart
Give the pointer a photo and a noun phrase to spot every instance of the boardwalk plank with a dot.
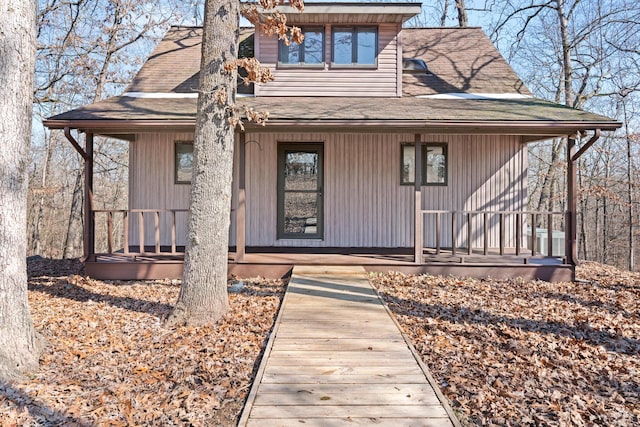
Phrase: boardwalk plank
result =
(346, 398)
(354, 411)
(350, 422)
(337, 358)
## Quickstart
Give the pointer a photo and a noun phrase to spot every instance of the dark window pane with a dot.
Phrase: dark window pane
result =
(300, 213)
(343, 47)
(366, 47)
(313, 47)
(289, 54)
(183, 162)
(435, 164)
(301, 171)
(408, 164)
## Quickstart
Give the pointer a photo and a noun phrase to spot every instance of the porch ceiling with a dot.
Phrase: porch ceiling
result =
(526, 116)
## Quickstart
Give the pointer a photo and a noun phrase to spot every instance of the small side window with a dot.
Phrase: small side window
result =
(183, 162)
(434, 164)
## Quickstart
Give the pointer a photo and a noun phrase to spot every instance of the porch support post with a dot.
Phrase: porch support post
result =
(241, 210)
(89, 221)
(418, 218)
(571, 236)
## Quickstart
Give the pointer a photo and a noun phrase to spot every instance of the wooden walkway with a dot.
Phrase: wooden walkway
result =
(336, 358)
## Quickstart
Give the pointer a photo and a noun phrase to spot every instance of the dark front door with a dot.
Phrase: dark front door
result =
(300, 191)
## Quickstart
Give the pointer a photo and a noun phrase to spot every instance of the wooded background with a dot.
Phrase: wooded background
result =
(581, 53)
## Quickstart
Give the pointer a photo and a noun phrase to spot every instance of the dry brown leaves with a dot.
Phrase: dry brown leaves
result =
(528, 353)
(110, 360)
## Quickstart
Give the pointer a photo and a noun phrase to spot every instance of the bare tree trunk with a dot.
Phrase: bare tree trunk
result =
(582, 238)
(445, 9)
(74, 225)
(630, 216)
(18, 343)
(36, 235)
(548, 190)
(203, 296)
(463, 20)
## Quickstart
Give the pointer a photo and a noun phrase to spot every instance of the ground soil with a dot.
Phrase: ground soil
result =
(504, 352)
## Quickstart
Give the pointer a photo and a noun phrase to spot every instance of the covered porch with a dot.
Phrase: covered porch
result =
(499, 238)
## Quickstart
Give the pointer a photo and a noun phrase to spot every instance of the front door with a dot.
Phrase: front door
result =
(300, 191)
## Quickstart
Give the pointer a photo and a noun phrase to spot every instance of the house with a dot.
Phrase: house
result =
(398, 149)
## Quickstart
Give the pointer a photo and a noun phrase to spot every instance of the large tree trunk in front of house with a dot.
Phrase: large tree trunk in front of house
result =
(203, 297)
(18, 343)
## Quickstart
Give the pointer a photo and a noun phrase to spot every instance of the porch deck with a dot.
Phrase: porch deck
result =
(278, 262)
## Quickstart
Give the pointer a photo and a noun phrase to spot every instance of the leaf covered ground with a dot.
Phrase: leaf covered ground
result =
(528, 353)
(111, 361)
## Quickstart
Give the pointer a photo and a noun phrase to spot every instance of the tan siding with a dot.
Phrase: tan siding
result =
(364, 203)
(333, 82)
(152, 186)
(484, 175)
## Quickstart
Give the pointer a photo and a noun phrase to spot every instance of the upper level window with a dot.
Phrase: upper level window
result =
(309, 52)
(354, 45)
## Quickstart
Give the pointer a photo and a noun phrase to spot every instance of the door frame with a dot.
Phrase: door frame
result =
(312, 147)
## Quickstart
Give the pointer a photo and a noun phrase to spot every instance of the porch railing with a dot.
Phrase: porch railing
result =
(464, 225)
(117, 223)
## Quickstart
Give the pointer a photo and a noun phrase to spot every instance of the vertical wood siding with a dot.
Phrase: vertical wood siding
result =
(152, 186)
(364, 203)
(382, 81)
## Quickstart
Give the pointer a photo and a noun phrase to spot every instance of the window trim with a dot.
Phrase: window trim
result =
(425, 145)
(176, 144)
(354, 47)
(303, 64)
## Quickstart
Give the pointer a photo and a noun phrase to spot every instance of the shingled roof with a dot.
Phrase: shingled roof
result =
(461, 61)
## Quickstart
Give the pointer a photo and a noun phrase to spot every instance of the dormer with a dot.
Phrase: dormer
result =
(349, 49)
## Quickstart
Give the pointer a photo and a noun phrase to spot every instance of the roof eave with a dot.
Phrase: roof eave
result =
(537, 128)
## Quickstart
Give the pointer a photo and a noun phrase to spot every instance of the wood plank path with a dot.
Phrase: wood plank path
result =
(336, 357)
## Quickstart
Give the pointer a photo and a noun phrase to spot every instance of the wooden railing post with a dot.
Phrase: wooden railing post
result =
(141, 231)
(502, 233)
(469, 234)
(438, 233)
(173, 231)
(518, 233)
(485, 231)
(125, 225)
(549, 235)
(156, 229)
(534, 235)
(453, 233)
(110, 232)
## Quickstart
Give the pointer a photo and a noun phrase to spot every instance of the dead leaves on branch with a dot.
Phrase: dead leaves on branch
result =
(111, 361)
(274, 22)
(528, 353)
